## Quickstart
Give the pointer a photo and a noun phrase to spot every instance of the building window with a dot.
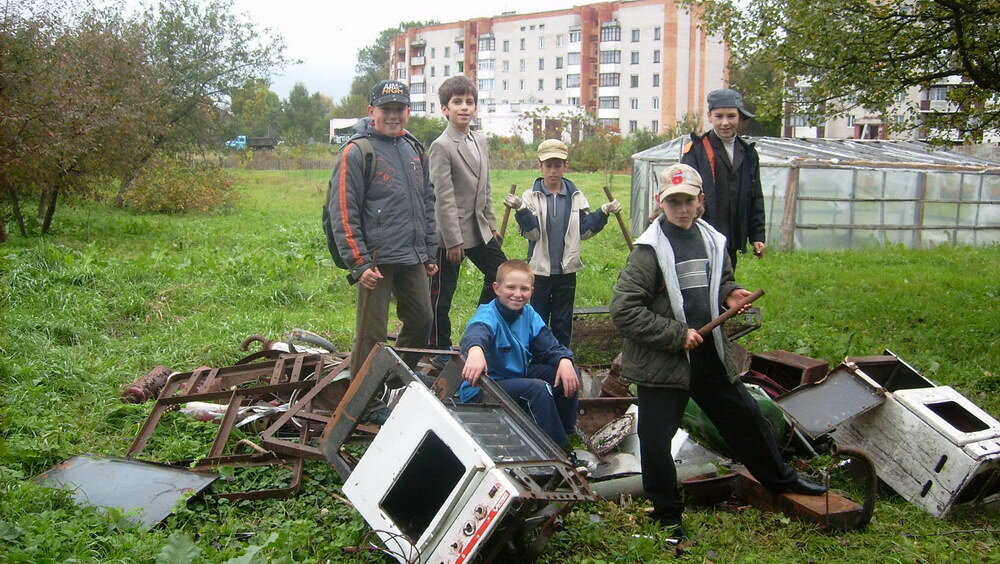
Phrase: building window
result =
(447, 70)
(607, 102)
(401, 74)
(487, 43)
(656, 56)
(419, 106)
(572, 81)
(559, 83)
(505, 66)
(541, 42)
(432, 72)
(522, 44)
(573, 101)
(521, 65)
(633, 81)
(461, 66)
(541, 84)
(573, 59)
(541, 63)
(654, 126)
(506, 45)
(611, 32)
(447, 52)
(559, 63)
(574, 36)
(656, 34)
(656, 102)
(850, 121)
(487, 64)
(611, 123)
(486, 84)
(609, 79)
(559, 40)
(504, 85)
(797, 120)
(635, 57)
(633, 103)
(432, 52)
(633, 126)
(635, 35)
(418, 88)
(521, 84)
(656, 79)
(938, 93)
(611, 57)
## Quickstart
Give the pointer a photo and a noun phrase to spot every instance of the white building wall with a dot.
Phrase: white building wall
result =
(518, 79)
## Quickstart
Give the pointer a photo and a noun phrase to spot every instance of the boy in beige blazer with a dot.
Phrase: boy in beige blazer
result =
(459, 170)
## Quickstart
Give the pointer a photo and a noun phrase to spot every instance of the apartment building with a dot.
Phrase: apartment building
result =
(633, 64)
(860, 123)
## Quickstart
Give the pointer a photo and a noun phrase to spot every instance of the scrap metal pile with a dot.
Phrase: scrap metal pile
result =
(440, 481)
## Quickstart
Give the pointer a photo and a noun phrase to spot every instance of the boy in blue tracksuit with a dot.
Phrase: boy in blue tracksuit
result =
(507, 339)
(554, 216)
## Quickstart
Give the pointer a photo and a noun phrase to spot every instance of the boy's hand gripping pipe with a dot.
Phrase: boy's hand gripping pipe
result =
(729, 313)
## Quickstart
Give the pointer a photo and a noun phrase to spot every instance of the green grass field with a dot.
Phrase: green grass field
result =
(111, 294)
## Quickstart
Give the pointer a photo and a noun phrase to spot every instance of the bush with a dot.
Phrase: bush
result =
(175, 185)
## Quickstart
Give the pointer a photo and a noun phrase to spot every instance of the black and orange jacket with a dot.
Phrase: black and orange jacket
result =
(393, 214)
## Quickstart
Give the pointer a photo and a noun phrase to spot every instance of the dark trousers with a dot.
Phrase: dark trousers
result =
(549, 407)
(553, 300)
(408, 283)
(730, 408)
(487, 259)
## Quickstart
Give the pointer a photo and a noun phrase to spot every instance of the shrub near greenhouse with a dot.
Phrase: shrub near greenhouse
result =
(174, 185)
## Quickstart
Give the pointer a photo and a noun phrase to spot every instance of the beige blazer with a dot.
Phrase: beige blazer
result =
(463, 208)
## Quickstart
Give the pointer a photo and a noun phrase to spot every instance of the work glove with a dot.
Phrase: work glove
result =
(614, 206)
(513, 202)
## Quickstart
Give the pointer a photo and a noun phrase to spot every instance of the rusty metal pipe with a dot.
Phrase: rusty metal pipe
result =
(729, 313)
(621, 222)
(506, 216)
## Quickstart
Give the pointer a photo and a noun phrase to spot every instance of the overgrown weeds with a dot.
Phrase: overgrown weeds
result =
(110, 294)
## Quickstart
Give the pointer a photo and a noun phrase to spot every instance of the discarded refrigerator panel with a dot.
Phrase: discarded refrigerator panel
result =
(817, 408)
(446, 482)
(146, 491)
(929, 443)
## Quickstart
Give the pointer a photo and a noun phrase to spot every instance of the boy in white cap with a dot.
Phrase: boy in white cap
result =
(554, 216)
(734, 202)
(676, 280)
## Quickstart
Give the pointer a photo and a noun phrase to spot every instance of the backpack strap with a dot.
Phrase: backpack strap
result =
(710, 153)
(368, 152)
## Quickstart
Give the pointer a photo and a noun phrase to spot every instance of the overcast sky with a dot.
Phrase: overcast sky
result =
(326, 34)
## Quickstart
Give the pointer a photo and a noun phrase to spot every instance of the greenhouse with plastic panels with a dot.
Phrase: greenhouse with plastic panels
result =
(848, 193)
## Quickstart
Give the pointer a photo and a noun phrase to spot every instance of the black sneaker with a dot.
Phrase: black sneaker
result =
(674, 529)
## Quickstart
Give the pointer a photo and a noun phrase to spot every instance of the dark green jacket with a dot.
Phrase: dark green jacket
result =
(648, 310)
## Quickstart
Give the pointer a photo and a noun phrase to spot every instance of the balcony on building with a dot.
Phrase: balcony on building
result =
(418, 43)
(416, 61)
(460, 38)
(417, 79)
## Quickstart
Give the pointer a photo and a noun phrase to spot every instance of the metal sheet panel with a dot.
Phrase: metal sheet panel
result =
(147, 490)
(818, 408)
